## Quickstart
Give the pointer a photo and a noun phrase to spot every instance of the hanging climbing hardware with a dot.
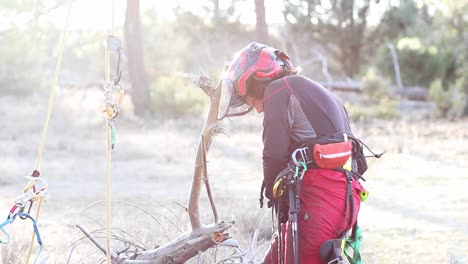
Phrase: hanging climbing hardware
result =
(294, 205)
(112, 108)
(33, 191)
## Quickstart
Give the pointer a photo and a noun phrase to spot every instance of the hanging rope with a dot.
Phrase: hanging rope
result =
(46, 123)
(109, 136)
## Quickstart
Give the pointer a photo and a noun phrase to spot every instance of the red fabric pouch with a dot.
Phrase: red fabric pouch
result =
(334, 155)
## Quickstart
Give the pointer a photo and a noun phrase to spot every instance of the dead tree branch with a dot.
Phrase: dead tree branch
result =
(203, 147)
(207, 183)
(188, 245)
(97, 244)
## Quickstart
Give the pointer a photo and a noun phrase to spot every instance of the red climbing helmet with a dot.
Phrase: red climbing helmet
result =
(255, 60)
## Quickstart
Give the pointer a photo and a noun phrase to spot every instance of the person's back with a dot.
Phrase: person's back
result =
(296, 111)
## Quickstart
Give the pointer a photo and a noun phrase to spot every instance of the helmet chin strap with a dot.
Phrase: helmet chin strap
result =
(240, 113)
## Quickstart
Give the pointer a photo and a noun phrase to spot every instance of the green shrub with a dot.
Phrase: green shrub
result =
(385, 109)
(420, 63)
(374, 86)
(449, 102)
(174, 97)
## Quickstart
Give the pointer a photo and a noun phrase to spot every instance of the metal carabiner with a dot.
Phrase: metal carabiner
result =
(115, 44)
(33, 185)
(301, 151)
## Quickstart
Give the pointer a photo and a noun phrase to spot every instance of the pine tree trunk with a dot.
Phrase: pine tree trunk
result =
(136, 68)
(261, 27)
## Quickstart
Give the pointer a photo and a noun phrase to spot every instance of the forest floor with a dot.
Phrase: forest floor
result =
(417, 210)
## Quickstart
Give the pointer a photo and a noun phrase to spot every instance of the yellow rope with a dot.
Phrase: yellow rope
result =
(54, 85)
(49, 111)
(108, 156)
(108, 213)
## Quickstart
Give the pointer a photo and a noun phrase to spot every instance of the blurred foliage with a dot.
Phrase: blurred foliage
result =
(450, 102)
(19, 62)
(377, 98)
(374, 86)
(385, 109)
(174, 98)
(337, 28)
(396, 22)
(419, 64)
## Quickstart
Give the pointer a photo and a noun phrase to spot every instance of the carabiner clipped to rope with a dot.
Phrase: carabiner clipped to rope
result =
(114, 44)
(35, 189)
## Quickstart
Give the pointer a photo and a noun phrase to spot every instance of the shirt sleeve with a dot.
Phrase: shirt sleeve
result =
(276, 138)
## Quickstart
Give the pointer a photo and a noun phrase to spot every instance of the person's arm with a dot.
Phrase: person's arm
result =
(276, 138)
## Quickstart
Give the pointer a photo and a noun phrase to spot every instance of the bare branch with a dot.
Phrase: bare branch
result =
(184, 207)
(207, 182)
(132, 205)
(97, 244)
(165, 207)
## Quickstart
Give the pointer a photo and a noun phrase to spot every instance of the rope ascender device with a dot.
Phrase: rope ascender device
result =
(112, 107)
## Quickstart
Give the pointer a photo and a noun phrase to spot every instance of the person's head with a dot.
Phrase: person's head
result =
(251, 70)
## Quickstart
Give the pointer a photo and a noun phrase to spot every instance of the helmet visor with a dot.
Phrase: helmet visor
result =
(231, 104)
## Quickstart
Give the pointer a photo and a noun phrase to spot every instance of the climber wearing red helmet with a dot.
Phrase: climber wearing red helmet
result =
(296, 111)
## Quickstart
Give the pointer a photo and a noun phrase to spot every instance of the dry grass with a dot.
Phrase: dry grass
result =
(416, 212)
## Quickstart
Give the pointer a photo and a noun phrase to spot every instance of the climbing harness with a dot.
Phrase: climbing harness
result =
(333, 152)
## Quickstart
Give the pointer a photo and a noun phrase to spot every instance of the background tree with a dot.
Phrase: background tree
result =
(261, 26)
(338, 25)
(136, 67)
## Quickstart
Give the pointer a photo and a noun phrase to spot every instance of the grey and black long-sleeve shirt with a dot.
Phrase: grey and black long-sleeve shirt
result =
(296, 110)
